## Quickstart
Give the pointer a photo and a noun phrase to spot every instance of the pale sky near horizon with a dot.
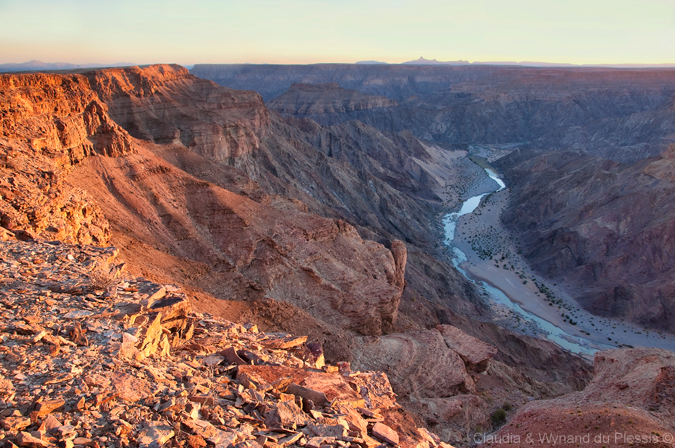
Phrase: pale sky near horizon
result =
(301, 31)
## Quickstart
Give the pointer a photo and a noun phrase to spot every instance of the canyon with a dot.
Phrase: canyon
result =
(316, 212)
(584, 150)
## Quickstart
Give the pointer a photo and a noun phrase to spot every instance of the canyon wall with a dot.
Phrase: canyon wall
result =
(50, 124)
(165, 104)
(604, 227)
(619, 113)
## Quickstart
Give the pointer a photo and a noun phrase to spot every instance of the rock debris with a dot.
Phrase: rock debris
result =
(90, 358)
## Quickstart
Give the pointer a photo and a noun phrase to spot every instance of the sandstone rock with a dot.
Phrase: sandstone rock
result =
(152, 338)
(155, 435)
(385, 433)
(24, 439)
(282, 341)
(324, 430)
(130, 388)
(285, 414)
(196, 442)
(48, 406)
(316, 397)
(16, 423)
(49, 424)
(171, 307)
(474, 352)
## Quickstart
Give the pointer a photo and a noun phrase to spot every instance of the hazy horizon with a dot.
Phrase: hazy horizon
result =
(577, 32)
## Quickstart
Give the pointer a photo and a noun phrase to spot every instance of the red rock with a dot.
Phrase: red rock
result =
(16, 423)
(318, 398)
(196, 441)
(280, 341)
(385, 433)
(474, 352)
(285, 414)
(24, 439)
(154, 435)
(130, 388)
(48, 406)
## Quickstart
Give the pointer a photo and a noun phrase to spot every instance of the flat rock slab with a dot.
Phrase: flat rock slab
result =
(130, 388)
(281, 341)
(155, 435)
(333, 385)
(48, 406)
(285, 414)
(474, 352)
(385, 433)
(77, 314)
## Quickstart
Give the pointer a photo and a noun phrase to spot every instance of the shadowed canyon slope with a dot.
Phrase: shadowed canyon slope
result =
(605, 227)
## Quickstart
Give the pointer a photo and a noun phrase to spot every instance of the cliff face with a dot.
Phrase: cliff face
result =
(607, 228)
(59, 141)
(165, 104)
(51, 123)
(321, 102)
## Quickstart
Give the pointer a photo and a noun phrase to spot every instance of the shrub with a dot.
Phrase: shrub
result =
(498, 417)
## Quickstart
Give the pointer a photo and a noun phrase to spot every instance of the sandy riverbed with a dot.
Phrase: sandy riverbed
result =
(481, 236)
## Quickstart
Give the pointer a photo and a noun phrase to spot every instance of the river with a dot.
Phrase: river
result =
(569, 342)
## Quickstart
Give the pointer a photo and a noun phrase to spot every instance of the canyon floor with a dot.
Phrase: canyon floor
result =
(493, 257)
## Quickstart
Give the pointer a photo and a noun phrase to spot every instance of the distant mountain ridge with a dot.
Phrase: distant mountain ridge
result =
(423, 61)
(35, 65)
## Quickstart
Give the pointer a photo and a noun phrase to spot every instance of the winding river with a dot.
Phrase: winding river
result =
(574, 344)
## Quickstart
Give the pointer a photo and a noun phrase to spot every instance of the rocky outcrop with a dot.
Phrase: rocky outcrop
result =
(606, 228)
(51, 123)
(475, 353)
(431, 372)
(165, 104)
(629, 401)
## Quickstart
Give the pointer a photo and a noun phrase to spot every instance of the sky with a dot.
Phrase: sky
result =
(302, 31)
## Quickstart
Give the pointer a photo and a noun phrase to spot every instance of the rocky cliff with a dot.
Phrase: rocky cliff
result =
(50, 124)
(325, 103)
(165, 104)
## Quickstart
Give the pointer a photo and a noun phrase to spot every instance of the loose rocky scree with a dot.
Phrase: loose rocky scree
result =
(132, 365)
